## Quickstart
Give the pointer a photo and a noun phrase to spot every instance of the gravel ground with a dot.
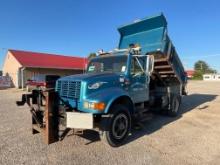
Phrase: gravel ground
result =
(191, 138)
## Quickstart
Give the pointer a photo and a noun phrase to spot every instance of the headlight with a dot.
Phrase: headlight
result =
(96, 85)
(100, 106)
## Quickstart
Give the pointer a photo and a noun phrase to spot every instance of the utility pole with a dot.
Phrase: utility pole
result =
(201, 67)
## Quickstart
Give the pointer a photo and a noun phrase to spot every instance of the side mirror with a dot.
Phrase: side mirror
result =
(150, 64)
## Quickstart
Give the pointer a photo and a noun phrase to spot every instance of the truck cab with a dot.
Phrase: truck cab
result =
(108, 77)
(119, 79)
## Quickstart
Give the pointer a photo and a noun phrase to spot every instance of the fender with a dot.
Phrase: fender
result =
(108, 96)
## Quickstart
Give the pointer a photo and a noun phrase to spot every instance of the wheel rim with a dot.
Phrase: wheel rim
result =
(176, 105)
(120, 126)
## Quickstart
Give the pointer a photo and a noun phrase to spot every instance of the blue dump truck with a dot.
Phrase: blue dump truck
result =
(118, 89)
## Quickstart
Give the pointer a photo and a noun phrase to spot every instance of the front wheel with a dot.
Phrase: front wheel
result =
(117, 126)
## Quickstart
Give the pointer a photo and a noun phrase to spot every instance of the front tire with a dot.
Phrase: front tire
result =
(117, 126)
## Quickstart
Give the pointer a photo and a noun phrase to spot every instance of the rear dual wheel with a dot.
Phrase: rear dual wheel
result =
(175, 101)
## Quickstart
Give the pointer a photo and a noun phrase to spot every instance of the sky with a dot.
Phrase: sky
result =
(79, 27)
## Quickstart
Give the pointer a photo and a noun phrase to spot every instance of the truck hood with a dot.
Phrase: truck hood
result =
(92, 77)
(107, 80)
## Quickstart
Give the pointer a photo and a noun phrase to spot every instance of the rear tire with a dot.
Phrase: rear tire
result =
(117, 125)
(175, 101)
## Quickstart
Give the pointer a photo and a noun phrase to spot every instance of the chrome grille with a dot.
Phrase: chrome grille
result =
(69, 89)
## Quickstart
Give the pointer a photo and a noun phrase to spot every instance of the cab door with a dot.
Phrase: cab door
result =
(139, 80)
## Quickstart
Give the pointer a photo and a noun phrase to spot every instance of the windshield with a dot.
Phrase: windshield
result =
(115, 64)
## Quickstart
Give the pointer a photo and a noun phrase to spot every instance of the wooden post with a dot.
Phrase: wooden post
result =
(51, 117)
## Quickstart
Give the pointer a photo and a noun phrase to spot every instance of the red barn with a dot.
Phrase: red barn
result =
(22, 65)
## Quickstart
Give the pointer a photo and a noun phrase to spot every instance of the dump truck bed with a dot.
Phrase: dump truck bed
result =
(151, 35)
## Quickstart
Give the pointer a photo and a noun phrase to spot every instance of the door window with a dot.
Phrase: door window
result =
(137, 66)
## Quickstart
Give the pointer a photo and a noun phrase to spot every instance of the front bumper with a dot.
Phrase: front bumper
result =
(79, 120)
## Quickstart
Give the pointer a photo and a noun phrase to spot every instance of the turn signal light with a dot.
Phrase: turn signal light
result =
(97, 106)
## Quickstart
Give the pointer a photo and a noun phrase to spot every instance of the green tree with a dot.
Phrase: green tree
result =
(0, 73)
(91, 55)
(198, 75)
(201, 67)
